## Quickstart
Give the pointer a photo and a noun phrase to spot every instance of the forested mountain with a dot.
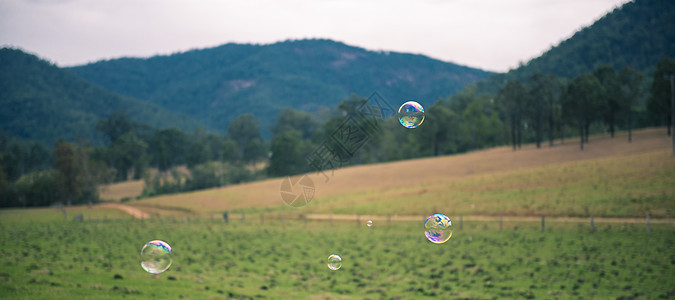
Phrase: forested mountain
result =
(217, 84)
(44, 103)
(638, 34)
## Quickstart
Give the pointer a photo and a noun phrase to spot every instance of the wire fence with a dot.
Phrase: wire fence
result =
(368, 220)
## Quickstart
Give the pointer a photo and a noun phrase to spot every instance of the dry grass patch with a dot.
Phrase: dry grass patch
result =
(609, 178)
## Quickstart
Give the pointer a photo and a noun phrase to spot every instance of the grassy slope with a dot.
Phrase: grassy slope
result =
(610, 178)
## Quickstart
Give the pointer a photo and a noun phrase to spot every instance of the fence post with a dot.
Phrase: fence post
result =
(543, 224)
(330, 220)
(226, 216)
(305, 220)
(358, 220)
(649, 226)
(283, 224)
(592, 225)
(500, 223)
(461, 221)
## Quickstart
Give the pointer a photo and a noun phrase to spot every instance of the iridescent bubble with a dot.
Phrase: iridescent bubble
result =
(369, 223)
(411, 114)
(438, 228)
(334, 262)
(156, 257)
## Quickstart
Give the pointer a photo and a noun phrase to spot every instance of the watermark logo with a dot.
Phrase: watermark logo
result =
(297, 191)
(354, 132)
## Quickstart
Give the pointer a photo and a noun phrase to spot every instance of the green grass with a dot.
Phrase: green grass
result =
(53, 214)
(212, 260)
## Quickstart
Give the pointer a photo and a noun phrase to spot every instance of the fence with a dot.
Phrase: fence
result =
(280, 219)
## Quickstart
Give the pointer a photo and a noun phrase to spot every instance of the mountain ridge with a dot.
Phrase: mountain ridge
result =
(309, 75)
(637, 34)
(44, 102)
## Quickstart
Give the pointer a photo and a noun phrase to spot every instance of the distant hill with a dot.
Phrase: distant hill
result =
(42, 102)
(638, 34)
(215, 85)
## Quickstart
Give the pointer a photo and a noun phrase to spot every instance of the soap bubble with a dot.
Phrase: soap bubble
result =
(411, 114)
(334, 262)
(156, 257)
(438, 228)
(369, 223)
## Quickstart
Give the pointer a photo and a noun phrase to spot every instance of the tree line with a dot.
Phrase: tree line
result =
(542, 108)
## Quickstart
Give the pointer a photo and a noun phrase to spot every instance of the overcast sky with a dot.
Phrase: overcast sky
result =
(493, 35)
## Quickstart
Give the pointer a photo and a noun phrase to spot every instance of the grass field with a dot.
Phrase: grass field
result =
(46, 255)
(610, 178)
(214, 260)
(19, 216)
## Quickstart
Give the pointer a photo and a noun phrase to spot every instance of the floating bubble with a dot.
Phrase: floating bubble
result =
(334, 262)
(438, 228)
(411, 114)
(369, 223)
(156, 257)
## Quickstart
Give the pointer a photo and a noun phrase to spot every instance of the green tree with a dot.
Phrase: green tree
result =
(168, 148)
(609, 94)
(38, 158)
(115, 126)
(230, 151)
(65, 163)
(441, 129)
(580, 103)
(199, 150)
(244, 129)
(254, 151)
(127, 152)
(659, 102)
(288, 154)
(511, 99)
(543, 98)
(630, 82)
(291, 119)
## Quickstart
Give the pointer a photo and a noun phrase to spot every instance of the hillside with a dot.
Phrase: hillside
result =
(638, 34)
(610, 178)
(44, 103)
(217, 84)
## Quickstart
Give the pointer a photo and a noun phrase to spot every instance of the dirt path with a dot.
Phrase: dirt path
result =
(137, 213)
(492, 218)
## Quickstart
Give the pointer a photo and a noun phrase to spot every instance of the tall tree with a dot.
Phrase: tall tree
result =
(609, 94)
(291, 119)
(659, 102)
(288, 154)
(199, 149)
(580, 103)
(38, 157)
(115, 126)
(66, 164)
(168, 148)
(630, 82)
(511, 99)
(128, 151)
(441, 126)
(244, 129)
(542, 90)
